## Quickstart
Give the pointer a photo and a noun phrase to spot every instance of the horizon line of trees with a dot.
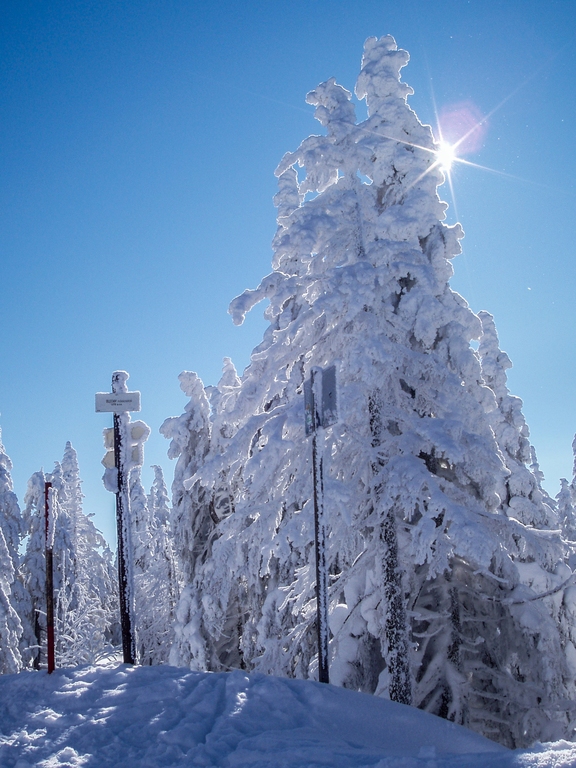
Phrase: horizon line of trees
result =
(86, 614)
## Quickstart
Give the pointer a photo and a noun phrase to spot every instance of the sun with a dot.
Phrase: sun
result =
(445, 155)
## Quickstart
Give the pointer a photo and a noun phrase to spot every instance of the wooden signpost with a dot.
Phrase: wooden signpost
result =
(120, 402)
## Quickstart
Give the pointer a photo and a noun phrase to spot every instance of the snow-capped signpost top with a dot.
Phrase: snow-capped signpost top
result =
(119, 400)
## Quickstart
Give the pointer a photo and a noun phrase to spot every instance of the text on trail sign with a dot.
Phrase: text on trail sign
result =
(117, 402)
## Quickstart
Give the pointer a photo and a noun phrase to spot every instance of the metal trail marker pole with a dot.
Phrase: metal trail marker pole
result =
(120, 402)
(49, 534)
(320, 412)
(320, 536)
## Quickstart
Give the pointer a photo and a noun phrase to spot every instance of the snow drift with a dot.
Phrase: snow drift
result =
(153, 717)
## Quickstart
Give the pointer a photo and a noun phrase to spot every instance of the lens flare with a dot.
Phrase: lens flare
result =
(445, 155)
(463, 125)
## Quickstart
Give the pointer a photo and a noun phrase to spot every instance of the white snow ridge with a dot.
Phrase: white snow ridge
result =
(151, 717)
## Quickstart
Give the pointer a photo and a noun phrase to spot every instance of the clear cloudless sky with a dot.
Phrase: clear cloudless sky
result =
(138, 142)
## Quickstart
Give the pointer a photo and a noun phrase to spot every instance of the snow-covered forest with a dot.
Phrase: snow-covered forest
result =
(447, 569)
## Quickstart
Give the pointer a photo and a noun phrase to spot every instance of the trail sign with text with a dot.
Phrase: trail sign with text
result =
(117, 402)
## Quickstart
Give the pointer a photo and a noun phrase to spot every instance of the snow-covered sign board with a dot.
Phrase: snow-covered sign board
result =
(326, 407)
(117, 402)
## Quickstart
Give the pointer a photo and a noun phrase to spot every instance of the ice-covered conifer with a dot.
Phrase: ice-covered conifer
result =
(192, 516)
(566, 508)
(10, 625)
(523, 496)
(11, 596)
(158, 500)
(536, 552)
(154, 569)
(140, 522)
(88, 596)
(567, 503)
(84, 578)
(430, 602)
(10, 515)
(33, 572)
(156, 580)
(190, 439)
(165, 568)
(142, 557)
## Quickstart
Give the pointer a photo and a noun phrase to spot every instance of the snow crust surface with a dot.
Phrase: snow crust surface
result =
(153, 717)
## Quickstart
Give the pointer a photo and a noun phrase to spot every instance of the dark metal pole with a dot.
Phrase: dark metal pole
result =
(124, 585)
(319, 532)
(49, 580)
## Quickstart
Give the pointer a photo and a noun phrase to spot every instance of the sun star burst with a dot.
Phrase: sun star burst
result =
(446, 156)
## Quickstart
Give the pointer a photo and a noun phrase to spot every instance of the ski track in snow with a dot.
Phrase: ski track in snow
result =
(152, 717)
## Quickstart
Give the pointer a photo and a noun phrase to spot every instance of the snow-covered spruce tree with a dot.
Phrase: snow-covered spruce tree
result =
(565, 501)
(33, 573)
(88, 594)
(192, 519)
(524, 499)
(566, 507)
(84, 577)
(163, 571)
(566, 512)
(154, 599)
(140, 522)
(155, 581)
(11, 596)
(141, 544)
(531, 540)
(435, 595)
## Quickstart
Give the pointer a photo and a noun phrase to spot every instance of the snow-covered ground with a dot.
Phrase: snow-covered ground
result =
(153, 717)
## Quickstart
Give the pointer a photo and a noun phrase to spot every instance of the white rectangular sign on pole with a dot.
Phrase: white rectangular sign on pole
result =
(326, 410)
(117, 402)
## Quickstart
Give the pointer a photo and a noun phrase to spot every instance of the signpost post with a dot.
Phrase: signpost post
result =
(120, 402)
(320, 412)
(49, 512)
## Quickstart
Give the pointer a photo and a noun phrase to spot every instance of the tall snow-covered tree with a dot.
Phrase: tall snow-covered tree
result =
(566, 501)
(524, 499)
(87, 595)
(10, 588)
(164, 569)
(10, 515)
(566, 509)
(84, 578)
(33, 572)
(442, 554)
(151, 559)
(193, 518)
(155, 577)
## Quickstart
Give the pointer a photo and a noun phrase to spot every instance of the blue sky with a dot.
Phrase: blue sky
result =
(138, 142)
